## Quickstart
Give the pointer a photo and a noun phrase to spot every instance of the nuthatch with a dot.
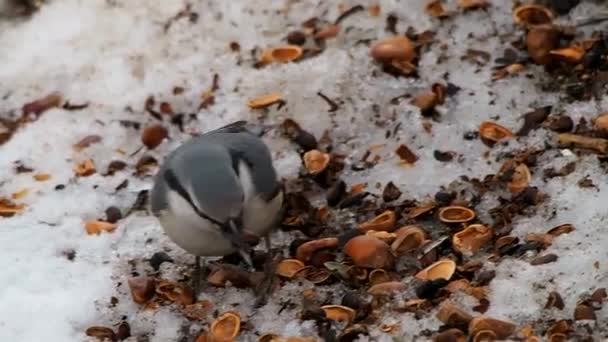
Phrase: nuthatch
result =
(217, 188)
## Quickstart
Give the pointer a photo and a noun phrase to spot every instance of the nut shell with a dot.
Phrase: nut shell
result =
(398, 48)
(444, 268)
(383, 222)
(226, 327)
(409, 238)
(281, 54)
(493, 132)
(367, 251)
(472, 238)
(316, 161)
(456, 214)
(152, 136)
(501, 329)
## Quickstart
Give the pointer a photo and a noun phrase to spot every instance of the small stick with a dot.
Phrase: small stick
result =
(596, 144)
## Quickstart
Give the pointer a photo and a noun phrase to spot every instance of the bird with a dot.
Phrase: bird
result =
(215, 190)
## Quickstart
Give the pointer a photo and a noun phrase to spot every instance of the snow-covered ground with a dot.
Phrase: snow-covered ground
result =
(114, 54)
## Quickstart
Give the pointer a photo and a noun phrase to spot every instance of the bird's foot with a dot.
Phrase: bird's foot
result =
(264, 288)
(198, 282)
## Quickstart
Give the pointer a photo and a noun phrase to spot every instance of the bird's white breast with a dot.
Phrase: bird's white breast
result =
(259, 216)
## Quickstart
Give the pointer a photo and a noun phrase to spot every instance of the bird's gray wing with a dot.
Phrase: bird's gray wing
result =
(249, 148)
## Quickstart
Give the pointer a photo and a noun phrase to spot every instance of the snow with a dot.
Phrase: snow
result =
(114, 54)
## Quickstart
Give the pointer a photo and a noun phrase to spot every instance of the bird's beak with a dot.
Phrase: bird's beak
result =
(237, 238)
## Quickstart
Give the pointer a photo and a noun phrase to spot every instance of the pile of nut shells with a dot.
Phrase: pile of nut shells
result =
(390, 253)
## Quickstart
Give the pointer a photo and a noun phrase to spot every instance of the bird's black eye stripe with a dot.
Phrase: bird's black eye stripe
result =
(176, 186)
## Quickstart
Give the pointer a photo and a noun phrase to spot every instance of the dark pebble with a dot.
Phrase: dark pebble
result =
(158, 258)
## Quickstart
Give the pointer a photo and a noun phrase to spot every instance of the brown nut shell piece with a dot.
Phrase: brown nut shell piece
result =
(571, 54)
(484, 336)
(142, 288)
(339, 313)
(367, 251)
(383, 222)
(520, 180)
(316, 161)
(456, 214)
(601, 122)
(530, 15)
(378, 276)
(152, 136)
(265, 100)
(436, 9)
(96, 227)
(502, 329)
(540, 41)
(409, 238)
(177, 293)
(289, 267)
(101, 333)
(472, 238)
(444, 268)
(226, 327)
(450, 335)
(472, 4)
(387, 288)
(281, 54)
(561, 229)
(84, 169)
(387, 237)
(493, 132)
(398, 48)
(452, 315)
(307, 249)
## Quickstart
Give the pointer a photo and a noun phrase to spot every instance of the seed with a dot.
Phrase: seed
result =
(296, 38)
(484, 336)
(396, 48)
(152, 136)
(543, 259)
